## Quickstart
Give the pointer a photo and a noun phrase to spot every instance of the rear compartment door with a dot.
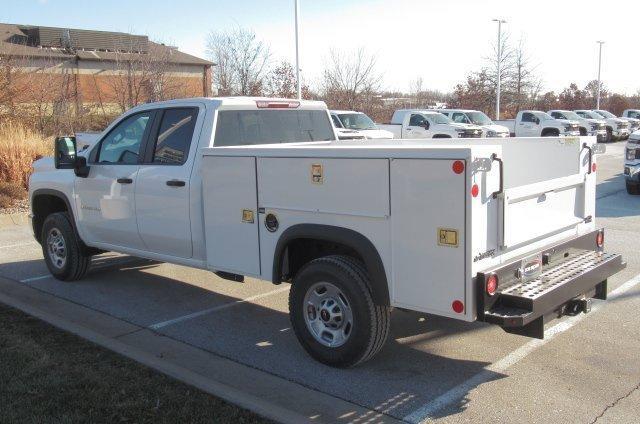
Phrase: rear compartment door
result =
(428, 213)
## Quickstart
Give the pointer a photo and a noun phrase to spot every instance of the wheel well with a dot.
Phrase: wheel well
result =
(44, 205)
(550, 131)
(303, 250)
(583, 131)
(441, 136)
(302, 243)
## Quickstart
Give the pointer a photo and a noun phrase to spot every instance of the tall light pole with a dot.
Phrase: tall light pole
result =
(599, 67)
(499, 67)
(298, 85)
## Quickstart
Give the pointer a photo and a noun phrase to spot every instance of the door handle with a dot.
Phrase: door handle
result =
(175, 183)
(124, 180)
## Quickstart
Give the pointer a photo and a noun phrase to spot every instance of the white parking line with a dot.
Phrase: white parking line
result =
(453, 395)
(95, 268)
(10, 246)
(39, 277)
(215, 309)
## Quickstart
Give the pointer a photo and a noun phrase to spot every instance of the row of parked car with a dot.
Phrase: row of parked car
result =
(464, 123)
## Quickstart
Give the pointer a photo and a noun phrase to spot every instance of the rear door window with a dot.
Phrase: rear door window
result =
(243, 127)
(172, 142)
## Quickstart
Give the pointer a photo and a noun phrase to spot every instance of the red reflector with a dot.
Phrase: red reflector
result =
(475, 190)
(458, 167)
(600, 239)
(593, 167)
(457, 306)
(492, 284)
(265, 104)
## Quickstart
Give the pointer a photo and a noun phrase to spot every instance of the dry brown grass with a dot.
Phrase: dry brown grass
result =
(19, 147)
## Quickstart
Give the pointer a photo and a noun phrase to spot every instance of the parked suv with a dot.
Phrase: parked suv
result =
(475, 117)
(588, 126)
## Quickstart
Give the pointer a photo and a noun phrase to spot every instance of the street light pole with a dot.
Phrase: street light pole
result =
(499, 67)
(599, 67)
(298, 85)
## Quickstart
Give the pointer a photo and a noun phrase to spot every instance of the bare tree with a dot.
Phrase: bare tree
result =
(351, 79)
(522, 81)
(242, 62)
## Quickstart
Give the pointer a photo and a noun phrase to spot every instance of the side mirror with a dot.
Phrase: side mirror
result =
(536, 120)
(425, 125)
(65, 153)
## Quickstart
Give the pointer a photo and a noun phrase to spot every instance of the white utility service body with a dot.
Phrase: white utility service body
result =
(458, 228)
(400, 196)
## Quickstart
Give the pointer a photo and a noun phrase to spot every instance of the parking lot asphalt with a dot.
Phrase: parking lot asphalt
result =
(431, 369)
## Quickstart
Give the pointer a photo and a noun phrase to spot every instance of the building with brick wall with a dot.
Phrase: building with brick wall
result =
(65, 70)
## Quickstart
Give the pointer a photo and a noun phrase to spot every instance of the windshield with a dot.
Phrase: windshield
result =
(479, 118)
(571, 115)
(439, 118)
(605, 114)
(543, 116)
(356, 121)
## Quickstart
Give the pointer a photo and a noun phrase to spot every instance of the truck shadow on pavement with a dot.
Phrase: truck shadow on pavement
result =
(421, 361)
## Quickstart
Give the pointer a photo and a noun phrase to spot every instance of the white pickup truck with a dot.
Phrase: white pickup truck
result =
(475, 117)
(534, 123)
(352, 125)
(417, 123)
(587, 126)
(617, 128)
(466, 229)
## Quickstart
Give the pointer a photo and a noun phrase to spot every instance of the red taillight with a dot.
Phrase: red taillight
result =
(600, 239)
(457, 306)
(265, 104)
(458, 167)
(593, 167)
(491, 284)
(475, 190)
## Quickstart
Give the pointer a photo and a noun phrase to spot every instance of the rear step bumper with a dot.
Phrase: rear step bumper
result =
(571, 274)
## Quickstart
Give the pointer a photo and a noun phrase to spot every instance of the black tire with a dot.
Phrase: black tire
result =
(76, 261)
(550, 133)
(609, 134)
(633, 188)
(370, 327)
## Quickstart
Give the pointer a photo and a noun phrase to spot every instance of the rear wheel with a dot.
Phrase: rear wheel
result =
(332, 312)
(633, 188)
(61, 248)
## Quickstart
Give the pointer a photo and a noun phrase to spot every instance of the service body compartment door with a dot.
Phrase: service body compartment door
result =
(230, 214)
(428, 235)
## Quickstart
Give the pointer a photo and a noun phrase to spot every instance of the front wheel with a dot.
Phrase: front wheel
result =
(633, 188)
(333, 314)
(61, 248)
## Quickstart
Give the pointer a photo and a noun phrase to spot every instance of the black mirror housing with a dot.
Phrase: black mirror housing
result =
(65, 153)
(81, 169)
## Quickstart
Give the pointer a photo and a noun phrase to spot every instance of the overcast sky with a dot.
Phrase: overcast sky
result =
(440, 41)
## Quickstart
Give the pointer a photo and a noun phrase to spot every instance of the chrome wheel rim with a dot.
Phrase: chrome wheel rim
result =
(56, 248)
(327, 313)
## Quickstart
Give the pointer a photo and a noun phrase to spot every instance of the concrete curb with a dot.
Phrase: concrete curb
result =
(14, 219)
(272, 397)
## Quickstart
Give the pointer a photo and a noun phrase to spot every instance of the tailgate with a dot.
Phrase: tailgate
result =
(548, 188)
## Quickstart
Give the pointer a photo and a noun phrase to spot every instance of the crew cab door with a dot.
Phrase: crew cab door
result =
(417, 127)
(163, 187)
(527, 126)
(105, 199)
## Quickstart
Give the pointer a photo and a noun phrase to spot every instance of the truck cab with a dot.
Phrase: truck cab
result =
(588, 126)
(417, 123)
(475, 117)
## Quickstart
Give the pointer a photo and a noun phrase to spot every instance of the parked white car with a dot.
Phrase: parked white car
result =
(632, 163)
(417, 123)
(346, 121)
(465, 229)
(588, 126)
(617, 129)
(475, 117)
(535, 123)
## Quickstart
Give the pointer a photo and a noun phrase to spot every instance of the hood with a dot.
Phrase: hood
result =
(377, 133)
(463, 126)
(633, 120)
(567, 122)
(44, 164)
(595, 121)
(347, 134)
(496, 128)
